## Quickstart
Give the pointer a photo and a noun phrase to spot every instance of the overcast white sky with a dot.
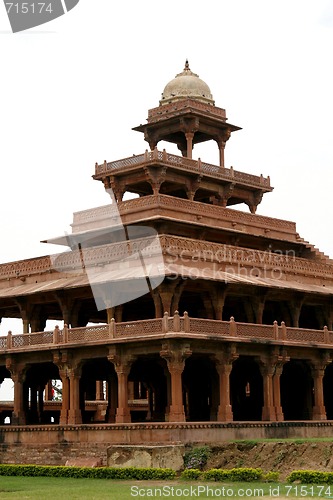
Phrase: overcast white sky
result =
(71, 91)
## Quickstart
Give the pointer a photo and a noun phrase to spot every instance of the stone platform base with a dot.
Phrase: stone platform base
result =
(55, 444)
(146, 456)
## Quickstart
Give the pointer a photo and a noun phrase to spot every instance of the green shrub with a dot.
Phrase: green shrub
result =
(197, 457)
(191, 474)
(309, 477)
(216, 475)
(245, 474)
(271, 477)
(87, 472)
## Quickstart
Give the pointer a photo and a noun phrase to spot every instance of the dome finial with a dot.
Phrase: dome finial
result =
(187, 66)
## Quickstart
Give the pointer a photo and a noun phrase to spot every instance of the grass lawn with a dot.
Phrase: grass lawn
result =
(44, 488)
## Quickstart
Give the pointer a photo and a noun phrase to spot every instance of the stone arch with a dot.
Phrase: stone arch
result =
(296, 390)
(327, 389)
(200, 383)
(147, 383)
(246, 388)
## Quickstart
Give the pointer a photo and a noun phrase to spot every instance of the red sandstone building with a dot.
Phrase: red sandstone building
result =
(239, 328)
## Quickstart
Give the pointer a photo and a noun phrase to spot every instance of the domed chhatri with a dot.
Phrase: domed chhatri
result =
(186, 116)
(187, 84)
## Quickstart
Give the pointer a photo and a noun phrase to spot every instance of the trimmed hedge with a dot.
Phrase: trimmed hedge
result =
(240, 474)
(87, 472)
(191, 474)
(310, 477)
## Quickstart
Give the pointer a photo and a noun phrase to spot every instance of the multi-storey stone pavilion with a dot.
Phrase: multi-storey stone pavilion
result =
(239, 328)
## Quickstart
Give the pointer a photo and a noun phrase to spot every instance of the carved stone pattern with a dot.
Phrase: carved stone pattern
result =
(24, 267)
(255, 331)
(209, 327)
(32, 339)
(215, 252)
(154, 326)
(143, 328)
(188, 206)
(100, 332)
(305, 335)
(186, 247)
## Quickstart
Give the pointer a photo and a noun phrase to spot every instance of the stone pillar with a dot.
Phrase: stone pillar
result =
(26, 325)
(48, 396)
(18, 416)
(189, 143)
(123, 413)
(259, 312)
(166, 298)
(319, 411)
(99, 390)
(118, 314)
(223, 363)
(224, 413)
(268, 410)
(74, 412)
(157, 303)
(110, 312)
(295, 312)
(175, 356)
(122, 364)
(65, 397)
(277, 393)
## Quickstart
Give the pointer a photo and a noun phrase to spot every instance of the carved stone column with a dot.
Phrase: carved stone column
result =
(271, 368)
(122, 364)
(99, 390)
(277, 393)
(218, 298)
(224, 366)
(18, 377)
(157, 303)
(258, 302)
(318, 371)
(221, 146)
(74, 412)
(189, 143)
(25, 311)
(268, 410)
(278, 359)
(65, 397)
(175, 355)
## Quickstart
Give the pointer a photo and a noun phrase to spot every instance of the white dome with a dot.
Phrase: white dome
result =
(187, 84)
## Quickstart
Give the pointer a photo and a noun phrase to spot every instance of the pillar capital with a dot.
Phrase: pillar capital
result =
(121, 361)
(175, 354)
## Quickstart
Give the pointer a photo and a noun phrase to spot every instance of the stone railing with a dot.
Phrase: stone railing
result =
(179, 248)
(160, 327)
(194, 166)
